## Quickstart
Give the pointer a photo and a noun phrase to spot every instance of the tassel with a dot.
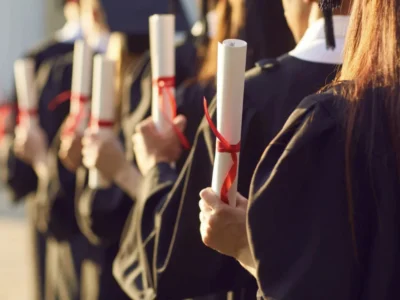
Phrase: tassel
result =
(327, 6)
(329, 31)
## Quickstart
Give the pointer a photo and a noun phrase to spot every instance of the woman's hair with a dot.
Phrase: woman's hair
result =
(371, 61)
(260, 23)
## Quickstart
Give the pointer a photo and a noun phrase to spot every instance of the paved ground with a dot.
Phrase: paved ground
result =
(15, 264)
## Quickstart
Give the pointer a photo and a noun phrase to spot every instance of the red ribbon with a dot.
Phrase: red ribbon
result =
(73, 119)
(164, 84)
(5, 111)
(25, 113)
(94, 122)
(224, 147)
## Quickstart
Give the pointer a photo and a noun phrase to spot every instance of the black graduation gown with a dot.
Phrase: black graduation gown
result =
(299, 212)
(20, 178)
(96, 206)
(66, 246)
(42, 55)
(102, 213)
(140, 223)
(181, 266)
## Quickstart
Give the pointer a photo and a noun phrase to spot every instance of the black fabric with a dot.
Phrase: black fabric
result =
(55, 205)
(132, 17)
(299, 211)
(189, 99)
(179, 255)
(112, 204)
(20, 178)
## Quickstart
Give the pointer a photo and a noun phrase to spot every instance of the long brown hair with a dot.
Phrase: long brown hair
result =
(261, 23)
(230, 20)
(371, 61)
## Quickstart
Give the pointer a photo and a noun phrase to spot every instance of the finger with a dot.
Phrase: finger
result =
(145, 126)
(203, 217)
(204, 206)
(210, 198)
(180, 122)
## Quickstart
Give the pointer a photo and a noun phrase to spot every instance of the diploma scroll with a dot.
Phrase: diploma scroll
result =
(81, 88)
(102, 111)
(24, 70)
(162, 51)
(230, 89)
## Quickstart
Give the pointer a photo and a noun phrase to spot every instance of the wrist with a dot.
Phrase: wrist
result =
(128, 179)
(246, 260)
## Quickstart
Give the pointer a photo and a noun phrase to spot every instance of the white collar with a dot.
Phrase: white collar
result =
(99, 42)
(312, 47)
(70, 32)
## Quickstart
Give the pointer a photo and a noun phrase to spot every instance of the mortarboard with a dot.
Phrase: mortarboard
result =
(327, 6)
(132, 16)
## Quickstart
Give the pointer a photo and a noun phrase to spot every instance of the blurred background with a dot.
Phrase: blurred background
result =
(23, 24)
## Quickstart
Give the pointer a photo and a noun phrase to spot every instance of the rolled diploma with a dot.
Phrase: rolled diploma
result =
(162, 51)
(81, 81)
(103, 101)
(27, 95)
(230, 89)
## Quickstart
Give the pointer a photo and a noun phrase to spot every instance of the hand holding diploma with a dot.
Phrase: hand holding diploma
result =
(30, 142)
(77, 120)
(152, 147)
(162, 49)
(102, 113)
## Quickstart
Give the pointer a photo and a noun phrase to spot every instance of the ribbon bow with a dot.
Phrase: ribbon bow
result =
(164, 84)
(73, 120)
(223, 146)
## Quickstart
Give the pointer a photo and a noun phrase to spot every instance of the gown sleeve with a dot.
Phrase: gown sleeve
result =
(55, 202)
(102, 213)
(298, 218)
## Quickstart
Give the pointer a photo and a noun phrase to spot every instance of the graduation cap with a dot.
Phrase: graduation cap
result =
(132, 16)
(327, 6)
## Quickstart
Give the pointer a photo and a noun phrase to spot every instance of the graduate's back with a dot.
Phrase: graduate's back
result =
(329, 182)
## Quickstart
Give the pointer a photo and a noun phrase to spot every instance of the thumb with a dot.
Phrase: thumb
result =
(210, 198)
(180, 122)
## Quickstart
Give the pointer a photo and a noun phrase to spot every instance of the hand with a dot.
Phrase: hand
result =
(152, 147)
(70, 152)
(223, 227)
(103, 152)
(30, 145)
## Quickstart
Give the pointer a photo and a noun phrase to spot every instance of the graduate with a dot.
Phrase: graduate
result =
(272, 92)
(67, 247)
(102, 212)
(328, 182)
(19, 176)
(190, 104)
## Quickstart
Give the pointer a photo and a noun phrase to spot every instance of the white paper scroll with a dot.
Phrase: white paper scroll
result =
(27, 95)
(81, 83)
(103, 111)
(162, 51)
(230, 89)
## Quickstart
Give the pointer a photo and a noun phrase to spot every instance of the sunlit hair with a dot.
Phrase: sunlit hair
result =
(260, 22)
(371, 61)
(230, 19)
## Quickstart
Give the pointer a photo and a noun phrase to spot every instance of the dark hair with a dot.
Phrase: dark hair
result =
(260, 22)
(371, 61)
